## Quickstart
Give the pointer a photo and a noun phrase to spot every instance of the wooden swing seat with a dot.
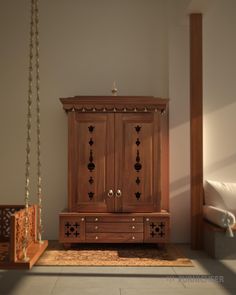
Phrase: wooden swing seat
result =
(12, 236)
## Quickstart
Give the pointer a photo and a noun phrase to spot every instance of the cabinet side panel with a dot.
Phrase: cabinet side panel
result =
(165, 160)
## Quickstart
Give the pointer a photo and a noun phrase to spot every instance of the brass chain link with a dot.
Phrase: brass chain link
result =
(39, 178)
(34, 42)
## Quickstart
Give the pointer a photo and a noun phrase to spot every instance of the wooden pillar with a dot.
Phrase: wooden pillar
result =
(196, 136)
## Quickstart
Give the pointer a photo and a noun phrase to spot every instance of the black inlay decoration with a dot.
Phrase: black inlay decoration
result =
(91, 165)
(91, 128)
(137, 128)
(67, 224)
(138, 180)
(91, 156)
(157, 229)
(72, 229)
(137, 195)
(137, 157)
(137, 165)
(91, 181)
(138, 142)
(76, 234)
(67, 233)
(152, 225)
(90, 194)
(91, 142)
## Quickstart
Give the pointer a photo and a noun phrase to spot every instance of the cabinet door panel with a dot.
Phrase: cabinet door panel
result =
(137, 164)
(94, 157)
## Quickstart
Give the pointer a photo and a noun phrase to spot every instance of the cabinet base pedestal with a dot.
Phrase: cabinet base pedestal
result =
(114, 228)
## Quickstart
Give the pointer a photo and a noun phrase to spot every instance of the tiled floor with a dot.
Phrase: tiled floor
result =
(208, 276)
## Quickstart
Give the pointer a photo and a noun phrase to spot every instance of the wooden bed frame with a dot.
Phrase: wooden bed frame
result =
(12, 236)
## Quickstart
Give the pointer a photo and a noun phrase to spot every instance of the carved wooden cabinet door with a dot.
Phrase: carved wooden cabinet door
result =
(91, 162)
(137, 162)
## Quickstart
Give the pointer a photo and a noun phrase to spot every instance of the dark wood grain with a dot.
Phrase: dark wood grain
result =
(196, 136)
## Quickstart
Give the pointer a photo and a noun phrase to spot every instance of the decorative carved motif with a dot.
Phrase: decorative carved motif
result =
(137, 165)
(20, 229)
(91, 142)
(138, 142)
(71, 229)
(158, 229)
(91, 128)
(4, 252)
(137, 128)
(115, 109)
(90, 194)
(138, 180)
(91, 181)
(5, 220)
(91, 165)
(137, 195)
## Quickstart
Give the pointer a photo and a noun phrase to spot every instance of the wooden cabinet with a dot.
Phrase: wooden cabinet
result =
(117, 166)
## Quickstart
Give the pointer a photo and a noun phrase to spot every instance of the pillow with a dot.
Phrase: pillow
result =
(221, 195)
(218, 216)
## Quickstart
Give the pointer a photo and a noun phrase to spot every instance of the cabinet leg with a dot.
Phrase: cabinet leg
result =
(67, 246)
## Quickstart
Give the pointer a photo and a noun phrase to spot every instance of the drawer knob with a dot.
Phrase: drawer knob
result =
(96, 238)
(133, 219)
(96, 227)
(147, 219)
(133, 237)
(133, 227)
(96, 219)
(82, 219)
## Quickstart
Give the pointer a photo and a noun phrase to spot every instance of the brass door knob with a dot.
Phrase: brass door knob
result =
(110, 193)
(118, 193)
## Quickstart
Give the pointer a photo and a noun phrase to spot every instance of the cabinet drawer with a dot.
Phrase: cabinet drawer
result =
(114, 237)
(115, 227)
(114, 219)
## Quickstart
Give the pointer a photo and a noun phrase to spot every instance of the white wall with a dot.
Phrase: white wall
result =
(144, 46)
(85, 45)
(179, 120)
(219, 49)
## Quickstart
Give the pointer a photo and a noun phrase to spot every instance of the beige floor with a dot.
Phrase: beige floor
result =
(208, 276)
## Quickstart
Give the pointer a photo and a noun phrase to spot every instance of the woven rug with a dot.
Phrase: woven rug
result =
(113, 255)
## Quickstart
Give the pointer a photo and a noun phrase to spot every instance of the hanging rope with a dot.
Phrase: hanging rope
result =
(34, 42)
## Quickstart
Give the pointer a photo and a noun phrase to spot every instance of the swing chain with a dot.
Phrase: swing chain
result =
(34, 36)
(39, 178)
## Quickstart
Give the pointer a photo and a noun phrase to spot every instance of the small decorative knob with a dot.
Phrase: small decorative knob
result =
(118, 193)
(133, 227)
(147, 219)
(133, 219)
(82, 219)
(96, 219)
(96, 238)
(114, 89)
(133, 237)
(96, 227)
(110, 193)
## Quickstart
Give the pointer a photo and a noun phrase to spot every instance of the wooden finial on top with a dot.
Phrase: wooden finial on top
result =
(114, 89)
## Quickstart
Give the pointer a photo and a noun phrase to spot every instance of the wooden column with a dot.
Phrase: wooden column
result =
(196, 137)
